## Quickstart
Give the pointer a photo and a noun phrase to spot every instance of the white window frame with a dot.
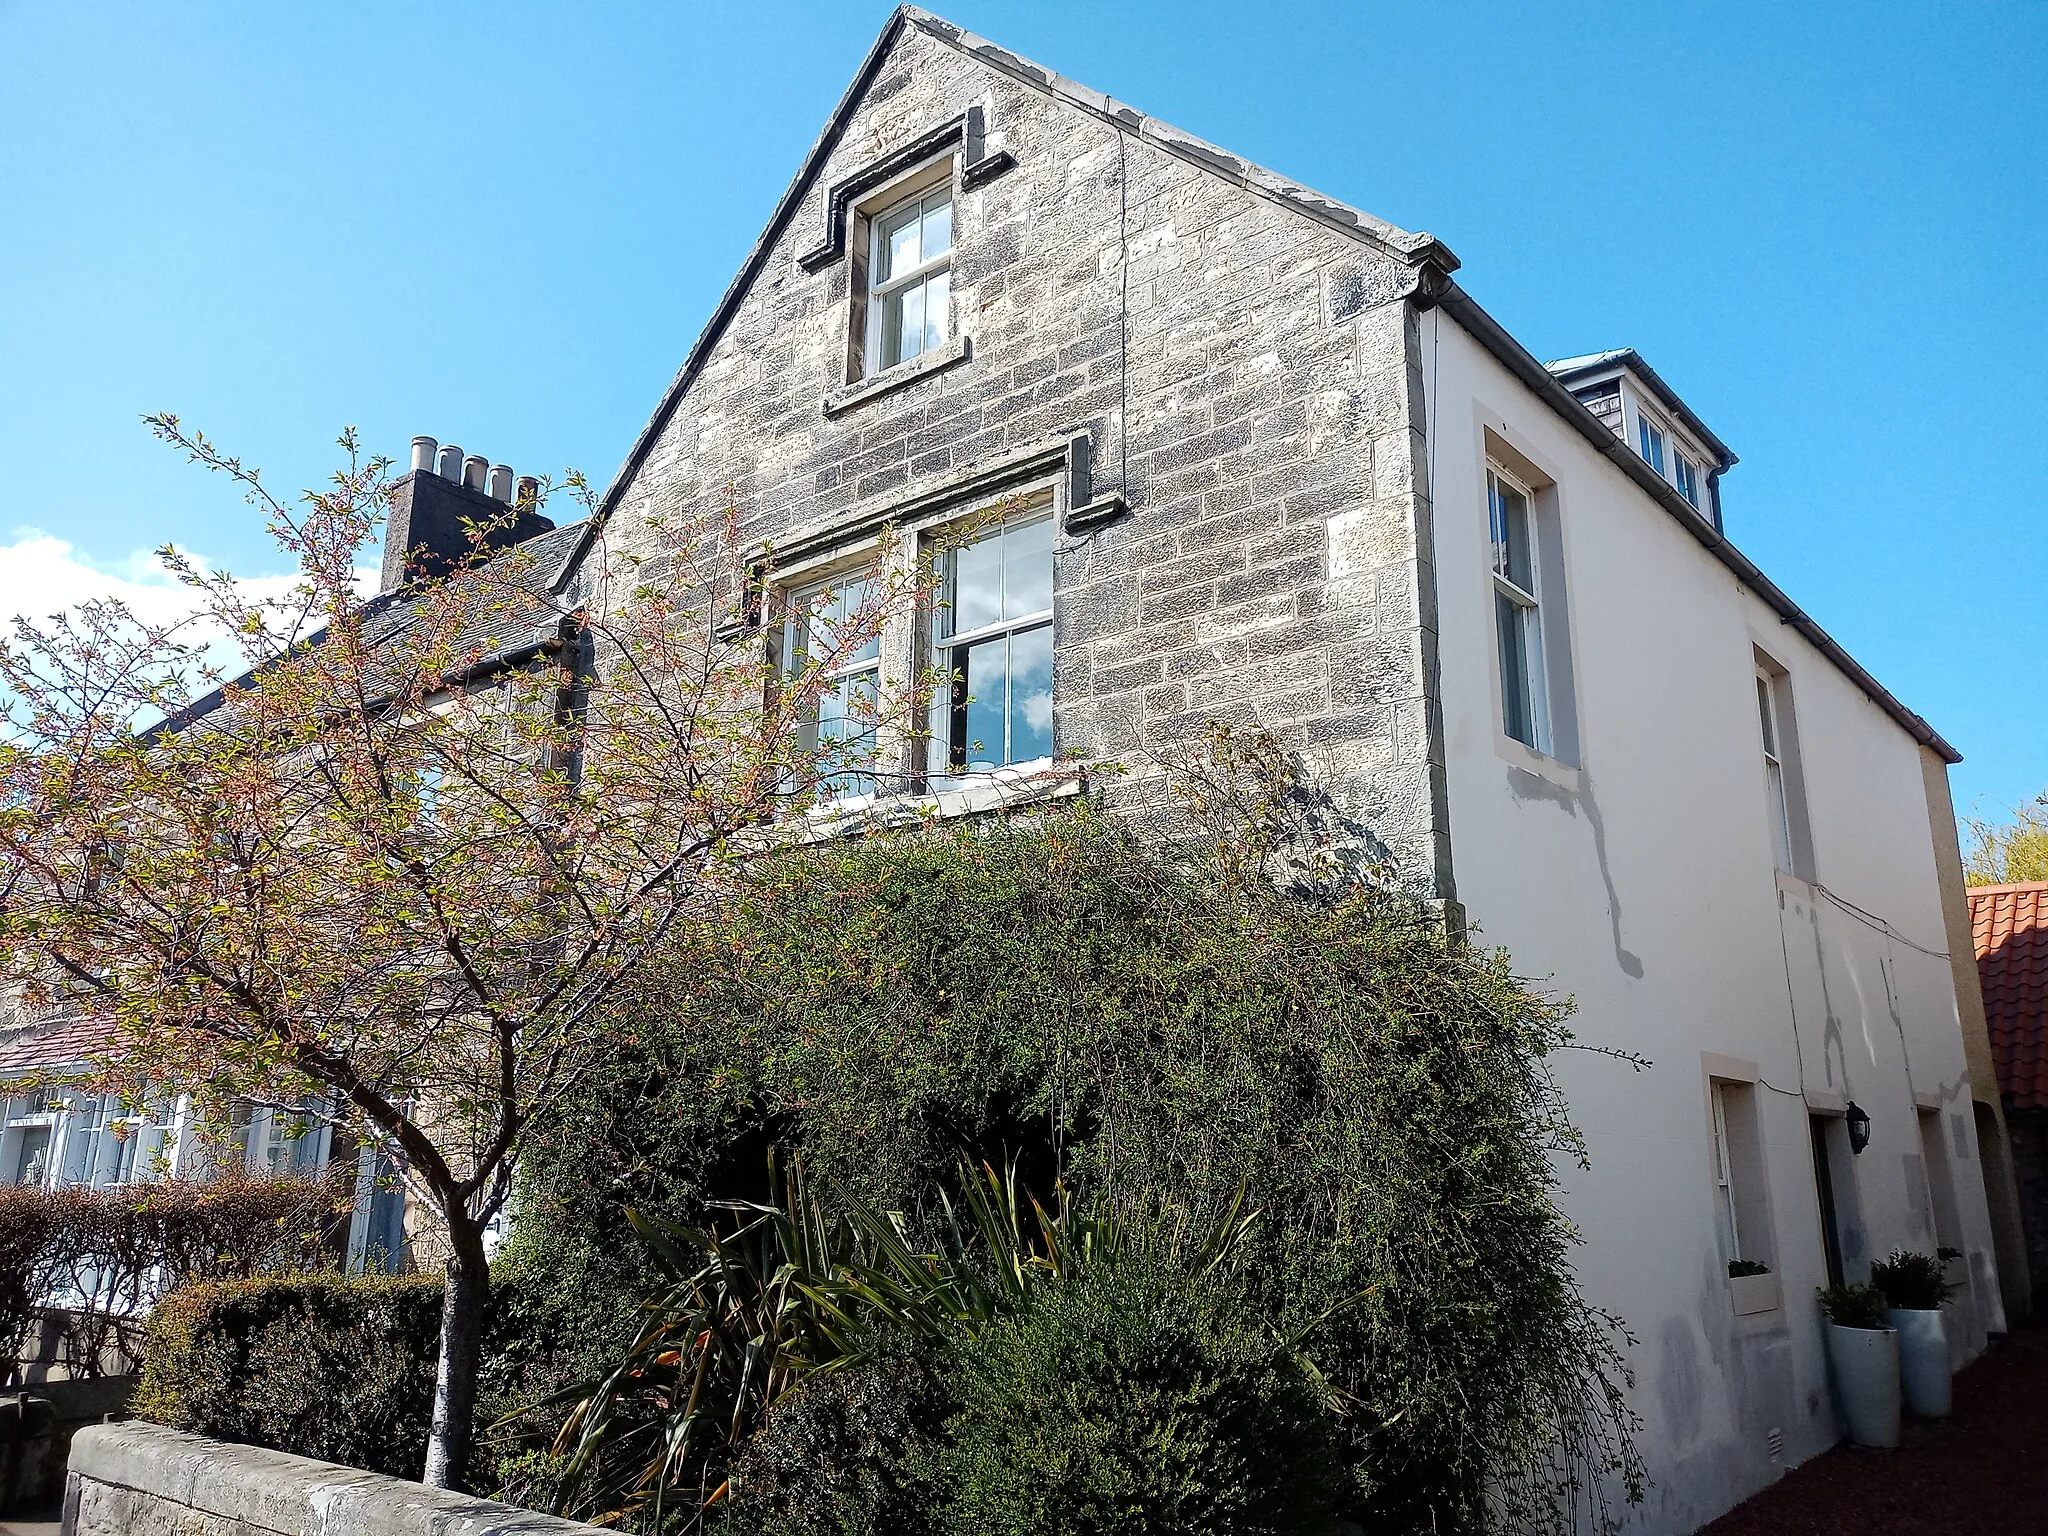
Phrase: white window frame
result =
(1527, 604)
(1777, 791)
(795, 628)
(1653, 442)
(269, 1126)
(881, 291)
(1724, 1174)
(939, 733)
(34, 1114)
(1685, 476)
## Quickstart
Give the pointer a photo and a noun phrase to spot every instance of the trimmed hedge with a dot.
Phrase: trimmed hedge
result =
(123, 1247)
(337, 1369)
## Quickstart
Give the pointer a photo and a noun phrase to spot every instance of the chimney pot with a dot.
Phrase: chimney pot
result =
(501, 482)
(474, 468)
(450, 466)
(529, 490)
(423, 454)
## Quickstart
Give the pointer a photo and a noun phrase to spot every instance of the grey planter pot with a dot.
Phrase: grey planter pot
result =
(1923, 1361)
(1865, 1364)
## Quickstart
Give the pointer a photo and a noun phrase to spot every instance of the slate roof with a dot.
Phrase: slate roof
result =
(499, 633)
(2010, 926)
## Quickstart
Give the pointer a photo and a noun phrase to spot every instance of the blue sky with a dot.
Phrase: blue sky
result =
(503, 225)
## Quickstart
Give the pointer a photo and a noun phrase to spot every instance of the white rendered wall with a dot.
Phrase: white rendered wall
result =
(1642, 883)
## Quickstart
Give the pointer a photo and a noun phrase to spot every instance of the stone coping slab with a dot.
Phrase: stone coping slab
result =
(134, 1479)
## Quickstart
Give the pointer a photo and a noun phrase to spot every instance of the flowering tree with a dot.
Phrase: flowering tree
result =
(397, 869)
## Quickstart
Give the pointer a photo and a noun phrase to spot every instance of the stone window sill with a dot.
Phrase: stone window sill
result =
(952, 354)
(1001, 790)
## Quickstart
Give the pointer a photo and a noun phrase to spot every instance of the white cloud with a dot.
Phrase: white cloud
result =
(42, 574)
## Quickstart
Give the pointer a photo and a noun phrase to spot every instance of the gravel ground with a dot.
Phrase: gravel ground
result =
(1985, 1470)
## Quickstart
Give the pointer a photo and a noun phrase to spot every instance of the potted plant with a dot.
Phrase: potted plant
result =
(1914, 1289)
(1863, 1351)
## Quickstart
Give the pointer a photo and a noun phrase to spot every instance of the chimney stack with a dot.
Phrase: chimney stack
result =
(424, 533)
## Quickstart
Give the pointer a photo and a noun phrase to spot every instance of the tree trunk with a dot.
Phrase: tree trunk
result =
(466, 1289)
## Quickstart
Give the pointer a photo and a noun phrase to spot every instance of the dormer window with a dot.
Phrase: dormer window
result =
(1686, 476)
(1668, 454)
(1629, 399)
(1651, 436)
(910, 278)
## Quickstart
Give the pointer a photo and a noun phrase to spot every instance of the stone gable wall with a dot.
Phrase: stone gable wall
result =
(1248, 381)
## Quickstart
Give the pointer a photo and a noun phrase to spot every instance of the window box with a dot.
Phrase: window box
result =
(1750, 1294)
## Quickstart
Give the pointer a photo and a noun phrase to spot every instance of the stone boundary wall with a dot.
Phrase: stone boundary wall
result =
(134, 1479)
(36, 1426)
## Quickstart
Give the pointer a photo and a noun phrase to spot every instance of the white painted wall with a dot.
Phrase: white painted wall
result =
(1642, 883)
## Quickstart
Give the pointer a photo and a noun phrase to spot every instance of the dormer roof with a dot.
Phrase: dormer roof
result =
(1576, 373)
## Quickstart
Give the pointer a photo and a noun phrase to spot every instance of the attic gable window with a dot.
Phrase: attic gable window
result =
(910, 278)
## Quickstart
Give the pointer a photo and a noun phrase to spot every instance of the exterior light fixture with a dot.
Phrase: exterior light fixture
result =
(1859, 1127)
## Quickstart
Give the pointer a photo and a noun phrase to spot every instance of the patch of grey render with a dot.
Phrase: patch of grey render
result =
(1719, 1388)
(1527, 787)
(1834, 1046)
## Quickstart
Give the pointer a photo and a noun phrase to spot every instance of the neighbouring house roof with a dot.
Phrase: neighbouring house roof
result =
(2010, 926)
(38, 1047)
(499, 635)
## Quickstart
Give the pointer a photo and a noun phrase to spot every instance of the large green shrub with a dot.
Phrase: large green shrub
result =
(338, 1369)
(1137, 1023)
(1131, 1400)
(759, 1374)
(838, 1456)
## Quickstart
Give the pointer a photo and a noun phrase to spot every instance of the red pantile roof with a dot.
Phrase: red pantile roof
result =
(53, 1045)
(2010, 926)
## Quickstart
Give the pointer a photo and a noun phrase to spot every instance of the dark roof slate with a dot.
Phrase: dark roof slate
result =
(540, 568)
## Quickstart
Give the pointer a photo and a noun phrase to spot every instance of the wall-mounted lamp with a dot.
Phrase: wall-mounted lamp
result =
(1859, 1127)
